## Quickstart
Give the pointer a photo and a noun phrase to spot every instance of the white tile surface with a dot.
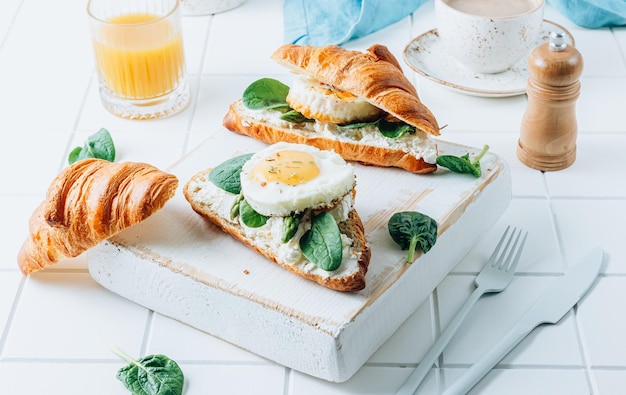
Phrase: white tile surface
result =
(60, 325)
(602, 323)
(234, 379)
(527, 381)
(41, 97)
(245, 40)
(194, 345)
(600, 53)
(534, 216)
(71, 306)
(9, 286)
(594, 151)
(60, 378)
(600, 104)
(583, 224)
(608, 382)
(620, 35)
(8, 11)
(15, 210)
(369, 380)
(396, 350)
(46, 158)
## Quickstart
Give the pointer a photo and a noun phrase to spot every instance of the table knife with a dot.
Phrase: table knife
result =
(550, 308)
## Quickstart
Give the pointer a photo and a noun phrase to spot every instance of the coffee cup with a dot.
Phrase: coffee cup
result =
(488, 36)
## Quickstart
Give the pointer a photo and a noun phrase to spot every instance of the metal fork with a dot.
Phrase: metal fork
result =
(494, 277)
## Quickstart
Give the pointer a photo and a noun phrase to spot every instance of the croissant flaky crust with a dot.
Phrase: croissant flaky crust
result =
(88, 202)
(374, 75)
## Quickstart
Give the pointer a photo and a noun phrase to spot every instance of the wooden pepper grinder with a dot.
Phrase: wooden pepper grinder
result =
(549, 128)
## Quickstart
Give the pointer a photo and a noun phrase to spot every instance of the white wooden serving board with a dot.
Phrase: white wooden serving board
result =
(179, 265)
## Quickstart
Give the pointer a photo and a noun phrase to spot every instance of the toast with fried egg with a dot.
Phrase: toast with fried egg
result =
(361, 105)
(293, 204)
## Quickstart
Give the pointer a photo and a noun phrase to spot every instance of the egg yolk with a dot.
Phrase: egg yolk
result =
(340, 94)
(288, 167)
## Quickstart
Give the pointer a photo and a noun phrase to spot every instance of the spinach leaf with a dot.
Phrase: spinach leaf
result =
(249, 216)
(98, 145)
(322, 243)
(410, 229)
(226, 175)
(394, 129)
(294, 116)
(463, 164)
(387, 128)
(358, 125)
(266, 93)
(151, 375)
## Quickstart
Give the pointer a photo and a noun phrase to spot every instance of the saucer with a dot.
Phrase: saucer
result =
(426, 56)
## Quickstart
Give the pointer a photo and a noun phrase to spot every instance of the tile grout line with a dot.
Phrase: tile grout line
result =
(195, 96)
(288, 380)
(584, 353)
(11, 315)
(619, 47)
(147, 333)
(579, 335)
(8, 32)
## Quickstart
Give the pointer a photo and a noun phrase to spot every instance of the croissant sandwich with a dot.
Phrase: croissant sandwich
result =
(361, 105)
(293, 204)
(88, 202)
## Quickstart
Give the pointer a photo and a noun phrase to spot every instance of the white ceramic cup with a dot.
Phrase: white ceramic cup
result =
(488, 36)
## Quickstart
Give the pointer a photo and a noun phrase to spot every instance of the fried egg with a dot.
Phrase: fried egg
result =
(285, 178)
(320, 101)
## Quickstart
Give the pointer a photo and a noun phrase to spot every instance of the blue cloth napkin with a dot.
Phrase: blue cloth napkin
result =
(323, 22)
(593, 13)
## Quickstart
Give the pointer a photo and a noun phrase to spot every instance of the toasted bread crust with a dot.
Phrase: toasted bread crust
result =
(350, 151)
(352, 227)
(375, 75)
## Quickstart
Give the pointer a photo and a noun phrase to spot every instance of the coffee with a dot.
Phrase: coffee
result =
(494, 8)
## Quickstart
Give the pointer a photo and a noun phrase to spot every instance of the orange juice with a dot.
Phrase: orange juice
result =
(139, 56)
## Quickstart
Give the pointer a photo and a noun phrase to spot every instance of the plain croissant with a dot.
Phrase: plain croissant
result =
(88, 202)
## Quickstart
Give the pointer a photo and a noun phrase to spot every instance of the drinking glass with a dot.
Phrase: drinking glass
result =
(139, 56)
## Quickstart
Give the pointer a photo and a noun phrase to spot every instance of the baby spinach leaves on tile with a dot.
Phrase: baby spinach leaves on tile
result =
(322, 243)
(412, 229)
(98, 145)
(226, 175)
(151, 375)
(463, 164)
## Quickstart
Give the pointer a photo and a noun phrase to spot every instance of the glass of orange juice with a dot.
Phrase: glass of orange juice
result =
(139, 57)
